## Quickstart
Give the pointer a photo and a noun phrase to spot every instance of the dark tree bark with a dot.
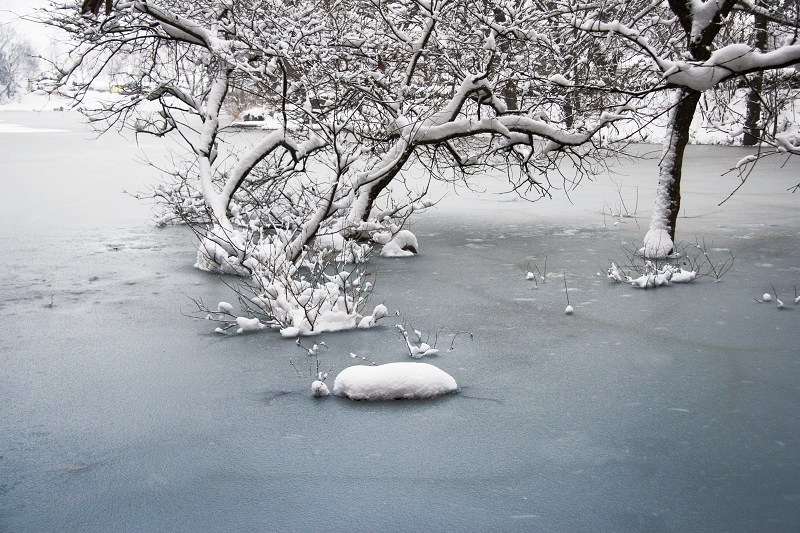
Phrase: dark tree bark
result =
(700, 45)
(671, 167)
(752, 129)
(93, 6)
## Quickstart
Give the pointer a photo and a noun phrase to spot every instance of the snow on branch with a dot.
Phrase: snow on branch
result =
(733, 60)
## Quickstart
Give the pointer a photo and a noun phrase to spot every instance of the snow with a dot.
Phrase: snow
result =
(319, 389)
(369, 321)
(15, 129)
(657, 244)
(703, 12)
(248, 324)
(559, 79)
(725, 63)
(671, 388)
(403, 244)
(653, 276)
(393, 381)
(256, 117)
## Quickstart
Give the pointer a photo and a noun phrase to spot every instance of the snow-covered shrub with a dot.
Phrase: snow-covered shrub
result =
(311, 296)
(318, 387)
(419, 347)
(301, 302)
(393, 381)
(687, 263)
(653, 276)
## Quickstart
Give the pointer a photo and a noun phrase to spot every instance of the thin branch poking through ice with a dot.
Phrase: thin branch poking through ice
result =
(569, 310)
(471, 337)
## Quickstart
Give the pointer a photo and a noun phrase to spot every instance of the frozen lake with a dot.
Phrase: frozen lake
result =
(666, 410)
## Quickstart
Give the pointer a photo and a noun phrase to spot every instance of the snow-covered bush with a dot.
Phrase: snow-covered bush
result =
(312, 297)
(685, 264)
(653, 276)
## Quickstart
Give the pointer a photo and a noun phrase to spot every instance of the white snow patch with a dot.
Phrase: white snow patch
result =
(319, 389)
(15, 129)
(403, 244)
(559, 79)
(393, 381)
(657, 244)
(248, 324)
(369, 321)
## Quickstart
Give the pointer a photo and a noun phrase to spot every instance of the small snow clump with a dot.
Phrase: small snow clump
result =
(319, 389)
(248, 324)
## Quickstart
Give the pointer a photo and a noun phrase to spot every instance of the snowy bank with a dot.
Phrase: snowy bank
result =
(393, 381)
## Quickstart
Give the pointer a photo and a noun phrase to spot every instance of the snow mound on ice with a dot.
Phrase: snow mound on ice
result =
(657, 244)
(393, 381)
(403, 244)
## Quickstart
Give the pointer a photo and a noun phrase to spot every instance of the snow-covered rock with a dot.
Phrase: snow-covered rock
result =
(393, 381)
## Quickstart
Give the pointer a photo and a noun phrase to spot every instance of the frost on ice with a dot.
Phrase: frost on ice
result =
(393, 381)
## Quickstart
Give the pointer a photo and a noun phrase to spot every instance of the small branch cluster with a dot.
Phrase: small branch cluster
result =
(541, 275)
(689, 262)
(701, 262)
(321, 296)
(419, 347)
(318, 386)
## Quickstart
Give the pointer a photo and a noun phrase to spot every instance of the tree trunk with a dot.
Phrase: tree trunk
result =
(368, 193)
(659, 241)
(752, 129)
(510, 96)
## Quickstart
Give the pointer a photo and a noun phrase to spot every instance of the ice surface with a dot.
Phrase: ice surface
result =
(667, 410)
